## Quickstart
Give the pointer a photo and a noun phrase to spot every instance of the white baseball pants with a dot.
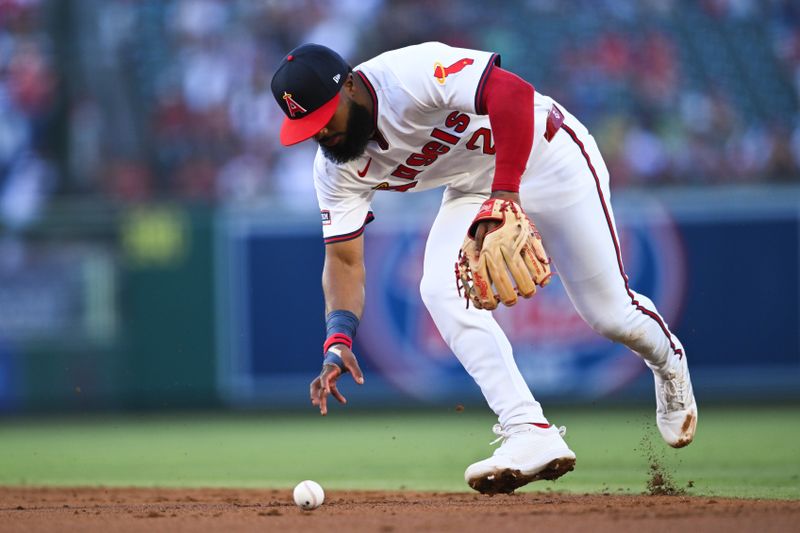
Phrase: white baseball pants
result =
(565, 192)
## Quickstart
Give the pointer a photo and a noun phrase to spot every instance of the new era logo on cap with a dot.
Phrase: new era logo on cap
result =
(306, 86)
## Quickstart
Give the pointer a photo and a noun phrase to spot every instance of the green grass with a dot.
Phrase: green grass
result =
(737, 452)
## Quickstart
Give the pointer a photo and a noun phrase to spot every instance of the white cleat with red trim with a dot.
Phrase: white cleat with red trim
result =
(528, 453)
(676, 408)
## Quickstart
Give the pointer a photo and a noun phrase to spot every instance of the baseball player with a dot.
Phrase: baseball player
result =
(432, 115)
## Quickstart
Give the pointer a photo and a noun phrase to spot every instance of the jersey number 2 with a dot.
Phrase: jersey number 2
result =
(484, 137)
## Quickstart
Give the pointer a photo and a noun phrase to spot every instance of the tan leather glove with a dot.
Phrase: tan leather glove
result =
(512, 259)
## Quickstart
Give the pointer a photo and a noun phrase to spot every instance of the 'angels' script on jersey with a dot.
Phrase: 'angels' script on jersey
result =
(442, 144)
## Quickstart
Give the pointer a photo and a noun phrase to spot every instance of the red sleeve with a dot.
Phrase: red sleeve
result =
(508, 100)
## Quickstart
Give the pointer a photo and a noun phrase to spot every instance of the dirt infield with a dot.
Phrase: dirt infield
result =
(176, 510)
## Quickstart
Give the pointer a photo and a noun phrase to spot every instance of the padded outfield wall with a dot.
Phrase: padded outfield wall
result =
(721, 265)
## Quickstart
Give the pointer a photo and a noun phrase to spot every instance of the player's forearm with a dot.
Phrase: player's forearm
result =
(508, 100)
(343, 282)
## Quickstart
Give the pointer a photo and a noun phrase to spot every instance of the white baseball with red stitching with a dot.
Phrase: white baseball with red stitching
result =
(308, 495)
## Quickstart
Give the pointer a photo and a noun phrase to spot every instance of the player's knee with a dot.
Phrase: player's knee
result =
(612, 328)
(637, 337)
(432, 291)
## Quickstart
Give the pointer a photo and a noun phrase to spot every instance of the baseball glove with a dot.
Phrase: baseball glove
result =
(512, 258)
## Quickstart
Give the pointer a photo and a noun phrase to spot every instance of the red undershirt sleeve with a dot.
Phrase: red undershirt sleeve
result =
(508, 100)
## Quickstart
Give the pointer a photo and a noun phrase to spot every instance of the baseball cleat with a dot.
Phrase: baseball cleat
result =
(676, 409)
(528, 453)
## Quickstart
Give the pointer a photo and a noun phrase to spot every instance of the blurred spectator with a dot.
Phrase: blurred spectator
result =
(27, 99)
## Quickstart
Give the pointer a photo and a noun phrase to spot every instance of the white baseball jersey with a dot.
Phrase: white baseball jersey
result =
(429, 132)
(432, 133)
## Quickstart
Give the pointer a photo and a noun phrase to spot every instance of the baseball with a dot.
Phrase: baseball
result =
(308, 495)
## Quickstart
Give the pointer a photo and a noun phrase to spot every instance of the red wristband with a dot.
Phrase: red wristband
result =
(337, 338)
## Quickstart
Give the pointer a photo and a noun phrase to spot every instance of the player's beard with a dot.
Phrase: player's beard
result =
(354, 142)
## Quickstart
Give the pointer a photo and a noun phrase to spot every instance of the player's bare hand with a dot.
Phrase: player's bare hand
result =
(486, 226)
(481, 230)
(325, 384)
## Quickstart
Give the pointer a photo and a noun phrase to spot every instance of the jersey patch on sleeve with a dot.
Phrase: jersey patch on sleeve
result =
(440, 72)
(326, 217)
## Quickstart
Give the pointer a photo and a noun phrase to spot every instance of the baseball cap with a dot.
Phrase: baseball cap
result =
(306, 86)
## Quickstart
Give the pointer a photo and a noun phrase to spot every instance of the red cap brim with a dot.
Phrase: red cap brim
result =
(295, 130)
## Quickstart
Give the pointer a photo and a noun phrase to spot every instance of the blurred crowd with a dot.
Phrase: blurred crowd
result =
(710, 98)
(28, 94)
(148, 99)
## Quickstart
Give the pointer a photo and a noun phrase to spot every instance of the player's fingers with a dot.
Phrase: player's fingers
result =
(330, 374)
(485, 227)
(323, 400)
(314, 391)
(480, 233)
(355, 370)
(336, 394)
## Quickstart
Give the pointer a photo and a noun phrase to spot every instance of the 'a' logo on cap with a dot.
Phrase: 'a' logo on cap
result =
(293, 106)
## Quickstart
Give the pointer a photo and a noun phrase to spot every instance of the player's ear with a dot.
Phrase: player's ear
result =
(350, 83)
